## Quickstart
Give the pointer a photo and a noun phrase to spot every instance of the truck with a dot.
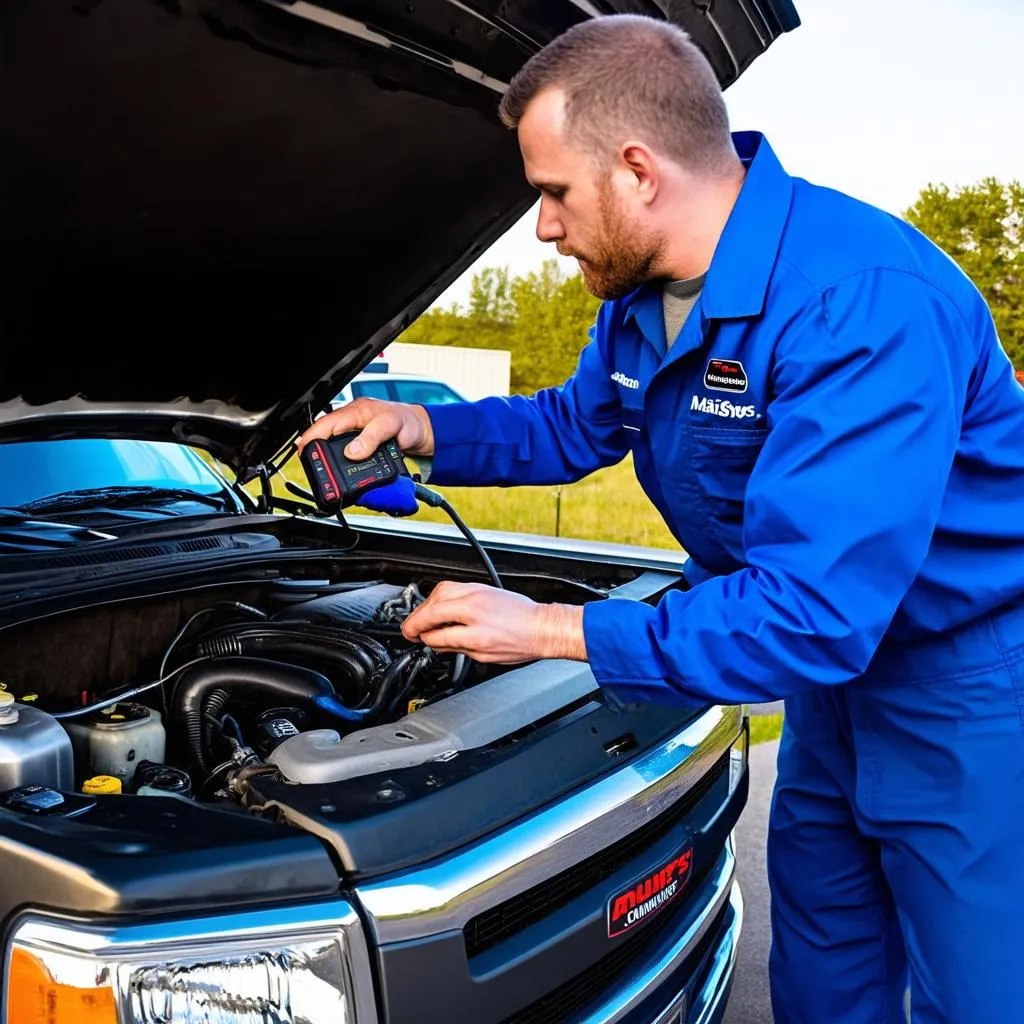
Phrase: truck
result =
(230, 790)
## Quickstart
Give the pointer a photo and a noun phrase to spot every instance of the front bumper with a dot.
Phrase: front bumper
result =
(514, 930)
(688, 980)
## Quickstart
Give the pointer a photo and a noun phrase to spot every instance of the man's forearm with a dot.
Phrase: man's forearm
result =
(560, 632)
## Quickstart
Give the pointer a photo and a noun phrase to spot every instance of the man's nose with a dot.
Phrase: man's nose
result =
(549, 224)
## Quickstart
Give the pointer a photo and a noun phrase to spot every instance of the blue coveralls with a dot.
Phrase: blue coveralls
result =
(837, 441)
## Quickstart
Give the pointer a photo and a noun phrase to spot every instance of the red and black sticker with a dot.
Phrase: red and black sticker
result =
(725, 375)
(643, 899)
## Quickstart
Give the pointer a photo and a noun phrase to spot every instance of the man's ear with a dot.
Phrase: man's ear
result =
(640, 164)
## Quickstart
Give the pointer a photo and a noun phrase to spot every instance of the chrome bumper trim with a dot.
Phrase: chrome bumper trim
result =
(715, 990)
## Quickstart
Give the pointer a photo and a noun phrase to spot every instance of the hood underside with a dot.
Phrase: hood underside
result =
(215, 212)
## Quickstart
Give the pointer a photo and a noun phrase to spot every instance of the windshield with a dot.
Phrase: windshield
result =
(39, 469)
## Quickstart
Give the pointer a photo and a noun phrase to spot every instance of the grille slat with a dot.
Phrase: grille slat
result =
(586, 986)
(516, 914)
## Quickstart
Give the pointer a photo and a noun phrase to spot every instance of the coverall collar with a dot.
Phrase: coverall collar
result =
(737, 280)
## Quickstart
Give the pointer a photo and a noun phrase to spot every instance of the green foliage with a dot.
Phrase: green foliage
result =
(982, 228)
(543, 319)
(764, 728)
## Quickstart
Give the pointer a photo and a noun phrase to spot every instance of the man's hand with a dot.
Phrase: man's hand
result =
(492, 625)
(379, 421)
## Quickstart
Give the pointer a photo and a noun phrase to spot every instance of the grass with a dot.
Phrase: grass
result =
(609, 505)
(764, 728)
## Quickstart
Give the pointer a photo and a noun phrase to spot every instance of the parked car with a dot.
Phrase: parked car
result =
(229, 788)
(397, 387)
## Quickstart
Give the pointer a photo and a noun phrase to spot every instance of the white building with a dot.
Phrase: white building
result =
(473, 372)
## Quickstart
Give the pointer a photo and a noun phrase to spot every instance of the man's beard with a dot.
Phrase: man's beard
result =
(617, 262)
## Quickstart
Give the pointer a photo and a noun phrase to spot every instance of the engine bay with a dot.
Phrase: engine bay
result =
(305, 679)
(240, 676)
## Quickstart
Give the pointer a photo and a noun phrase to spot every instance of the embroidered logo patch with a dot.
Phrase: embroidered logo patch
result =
(725, 375)
(627, 382)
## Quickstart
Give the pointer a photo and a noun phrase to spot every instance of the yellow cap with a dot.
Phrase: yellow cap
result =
(6, 697)
(102, 784)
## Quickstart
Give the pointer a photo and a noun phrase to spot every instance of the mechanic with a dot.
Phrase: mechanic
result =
(816, 401)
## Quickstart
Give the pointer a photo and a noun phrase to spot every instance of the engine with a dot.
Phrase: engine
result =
(236, 679)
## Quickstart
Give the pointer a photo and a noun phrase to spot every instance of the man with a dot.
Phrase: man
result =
(817, 403)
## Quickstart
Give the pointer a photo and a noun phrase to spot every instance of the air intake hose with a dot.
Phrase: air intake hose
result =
(357, 658)
(279, 682)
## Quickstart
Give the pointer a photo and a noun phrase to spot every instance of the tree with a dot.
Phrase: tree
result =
(982, 228)
(490, 296)
(543, 319)
(553, 315)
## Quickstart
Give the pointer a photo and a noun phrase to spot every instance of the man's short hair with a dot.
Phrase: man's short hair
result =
(630, 76)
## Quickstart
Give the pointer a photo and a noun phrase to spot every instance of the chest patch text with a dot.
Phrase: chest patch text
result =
(725, 375)
(722, 407)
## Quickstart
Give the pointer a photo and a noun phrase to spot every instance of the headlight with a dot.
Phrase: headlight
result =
(304, 966)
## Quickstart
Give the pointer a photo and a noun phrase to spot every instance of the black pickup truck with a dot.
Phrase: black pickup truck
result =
(230, 791)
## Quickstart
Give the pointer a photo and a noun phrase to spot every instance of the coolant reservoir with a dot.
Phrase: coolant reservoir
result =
(34, 749)
(114, 740)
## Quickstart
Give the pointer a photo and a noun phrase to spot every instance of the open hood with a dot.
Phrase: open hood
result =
(215, 212)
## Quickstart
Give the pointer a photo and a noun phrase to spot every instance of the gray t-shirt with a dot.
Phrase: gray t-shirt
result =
(677, 299)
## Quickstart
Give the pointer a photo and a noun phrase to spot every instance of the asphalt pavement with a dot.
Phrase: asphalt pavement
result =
(751, 1002)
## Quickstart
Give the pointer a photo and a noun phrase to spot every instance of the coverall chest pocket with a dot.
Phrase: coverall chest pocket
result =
(723, 459)
(633, 422)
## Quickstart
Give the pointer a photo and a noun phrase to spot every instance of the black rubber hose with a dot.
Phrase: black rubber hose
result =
(357, 667)
(216, 701)
(390, 681)
(359, 658)
(278, 681)
(330, 658)
(366, 647)
(417, 667)
(212, 708)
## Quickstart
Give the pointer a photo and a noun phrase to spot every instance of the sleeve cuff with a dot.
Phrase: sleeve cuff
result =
(623, 659)
(615, 631)
(453, 424)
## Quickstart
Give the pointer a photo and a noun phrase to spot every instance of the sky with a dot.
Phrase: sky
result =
(876, 98)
